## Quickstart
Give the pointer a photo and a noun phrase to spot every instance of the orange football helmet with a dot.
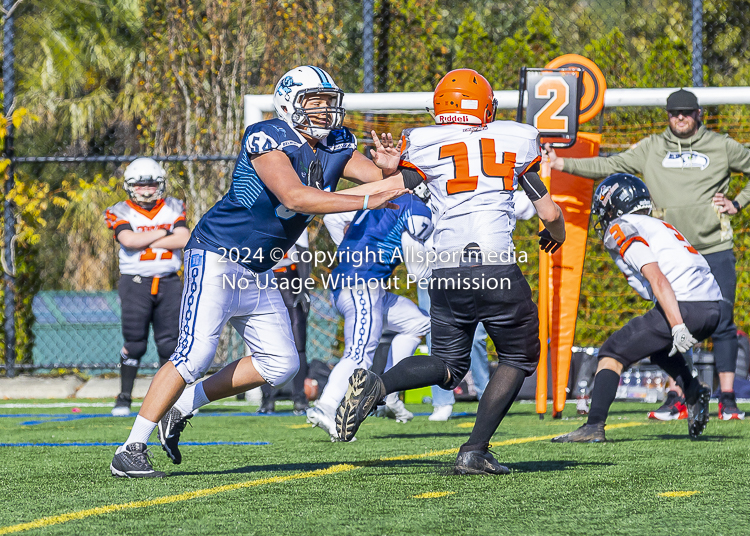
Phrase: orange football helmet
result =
(464, 96)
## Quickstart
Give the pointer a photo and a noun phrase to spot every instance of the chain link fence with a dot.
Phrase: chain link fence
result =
(87, 86)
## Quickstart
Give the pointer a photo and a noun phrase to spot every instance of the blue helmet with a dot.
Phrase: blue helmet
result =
(618, 194)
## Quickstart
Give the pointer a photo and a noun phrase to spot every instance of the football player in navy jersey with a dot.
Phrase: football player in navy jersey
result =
(287, 171)
(371, 244)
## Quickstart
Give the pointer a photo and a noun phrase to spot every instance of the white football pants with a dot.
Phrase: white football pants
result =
(218, 291)
(366, 313)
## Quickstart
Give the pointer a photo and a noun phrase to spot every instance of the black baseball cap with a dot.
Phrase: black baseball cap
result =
(682, 100)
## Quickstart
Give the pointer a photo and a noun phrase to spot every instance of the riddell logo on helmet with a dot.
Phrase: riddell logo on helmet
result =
(456, 118)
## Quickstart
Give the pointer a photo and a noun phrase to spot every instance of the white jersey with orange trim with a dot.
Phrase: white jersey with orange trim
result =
(471, 172)
(168, 213)
(634, 240)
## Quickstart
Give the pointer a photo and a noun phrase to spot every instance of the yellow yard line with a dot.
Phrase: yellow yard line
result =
(334, 469)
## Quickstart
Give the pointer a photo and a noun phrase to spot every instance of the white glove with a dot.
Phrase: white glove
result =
(682, 340)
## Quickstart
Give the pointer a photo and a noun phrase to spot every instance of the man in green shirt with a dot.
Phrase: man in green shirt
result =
(687, 169)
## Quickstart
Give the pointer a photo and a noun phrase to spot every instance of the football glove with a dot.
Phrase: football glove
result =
(302, 299)
(547, 243)
(682, 340)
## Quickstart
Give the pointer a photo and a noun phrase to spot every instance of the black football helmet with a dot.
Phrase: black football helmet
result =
(618, 194)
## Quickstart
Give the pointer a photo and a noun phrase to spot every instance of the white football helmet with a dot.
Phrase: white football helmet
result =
(302, 82)
(145, 172)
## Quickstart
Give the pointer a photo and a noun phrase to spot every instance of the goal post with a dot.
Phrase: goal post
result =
(420, 102)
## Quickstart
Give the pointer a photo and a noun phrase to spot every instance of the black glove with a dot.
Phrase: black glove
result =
(547, 243)
(315, 175)
(302, 299)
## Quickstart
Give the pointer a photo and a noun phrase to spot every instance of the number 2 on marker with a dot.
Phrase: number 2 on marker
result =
(462, 180)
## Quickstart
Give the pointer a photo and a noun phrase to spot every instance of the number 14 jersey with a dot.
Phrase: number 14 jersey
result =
(471, 172)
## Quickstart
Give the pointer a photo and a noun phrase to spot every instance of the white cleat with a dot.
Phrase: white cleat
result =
(317, 417)
(441, 413)
(120, 411)
(395, 409)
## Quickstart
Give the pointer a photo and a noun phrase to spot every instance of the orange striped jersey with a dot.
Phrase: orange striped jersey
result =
(634, 240)
(471, 172)
(168, 213)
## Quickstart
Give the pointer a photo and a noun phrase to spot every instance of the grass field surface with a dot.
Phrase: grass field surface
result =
(249, 474)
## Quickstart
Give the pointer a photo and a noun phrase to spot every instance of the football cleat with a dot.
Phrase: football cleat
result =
(673, 408)
(133, 461)
(588, 433)
(395, 409)
(365, 391)
(300, 408)
(318, 417)
(168, 431)
(122, 406)
(698, 412)
(267, 407)
(478, 462)
(441, 413)
(728, 409)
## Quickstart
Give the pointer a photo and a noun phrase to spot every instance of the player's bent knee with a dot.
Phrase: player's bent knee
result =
(610, 363)
(454, 374)
(133, 350)
(275, 370)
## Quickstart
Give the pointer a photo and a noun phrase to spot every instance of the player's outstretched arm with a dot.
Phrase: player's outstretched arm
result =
(277, 173)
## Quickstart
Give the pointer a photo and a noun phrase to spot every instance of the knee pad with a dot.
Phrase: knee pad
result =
(165, 349)
(132, 353)
(275, 370)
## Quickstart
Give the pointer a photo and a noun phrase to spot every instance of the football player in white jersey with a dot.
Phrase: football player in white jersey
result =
(471, 165)
(665, 269)
(152, 231)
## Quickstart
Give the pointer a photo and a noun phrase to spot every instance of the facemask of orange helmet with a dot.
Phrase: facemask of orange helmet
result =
(464, 96)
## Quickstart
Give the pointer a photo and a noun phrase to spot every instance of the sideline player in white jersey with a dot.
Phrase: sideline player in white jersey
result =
(152, 231)
(285, 173)
(665, 269)
(370, 246)
(471, 165)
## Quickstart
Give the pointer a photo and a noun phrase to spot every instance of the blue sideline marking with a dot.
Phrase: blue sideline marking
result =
(102, 444)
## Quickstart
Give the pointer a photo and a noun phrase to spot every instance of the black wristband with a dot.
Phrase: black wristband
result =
(737, 205)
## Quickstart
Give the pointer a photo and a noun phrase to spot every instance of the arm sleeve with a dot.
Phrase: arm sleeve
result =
(738, 157)
(631, 161)
(532, 185)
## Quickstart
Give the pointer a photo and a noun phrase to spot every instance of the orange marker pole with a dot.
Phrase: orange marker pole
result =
(544, 259)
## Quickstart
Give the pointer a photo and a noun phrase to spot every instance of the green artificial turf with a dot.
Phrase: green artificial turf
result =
(611, 488)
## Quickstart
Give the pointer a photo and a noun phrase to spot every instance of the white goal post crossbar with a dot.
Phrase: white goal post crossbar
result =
(415, 102)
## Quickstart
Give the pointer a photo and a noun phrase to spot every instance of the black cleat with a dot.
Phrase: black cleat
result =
(122, 405)
(366, 390)
(267, 407)
(478, 462)
(300, 408)
(168, 431)
(698, 412)
(134, 461)
(588, 433)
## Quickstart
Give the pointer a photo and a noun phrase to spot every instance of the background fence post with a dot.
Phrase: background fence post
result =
(9, 86)
(697, 43)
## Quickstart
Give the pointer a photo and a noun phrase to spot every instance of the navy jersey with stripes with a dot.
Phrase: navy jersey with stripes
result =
(371, 248)
(249, 218)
